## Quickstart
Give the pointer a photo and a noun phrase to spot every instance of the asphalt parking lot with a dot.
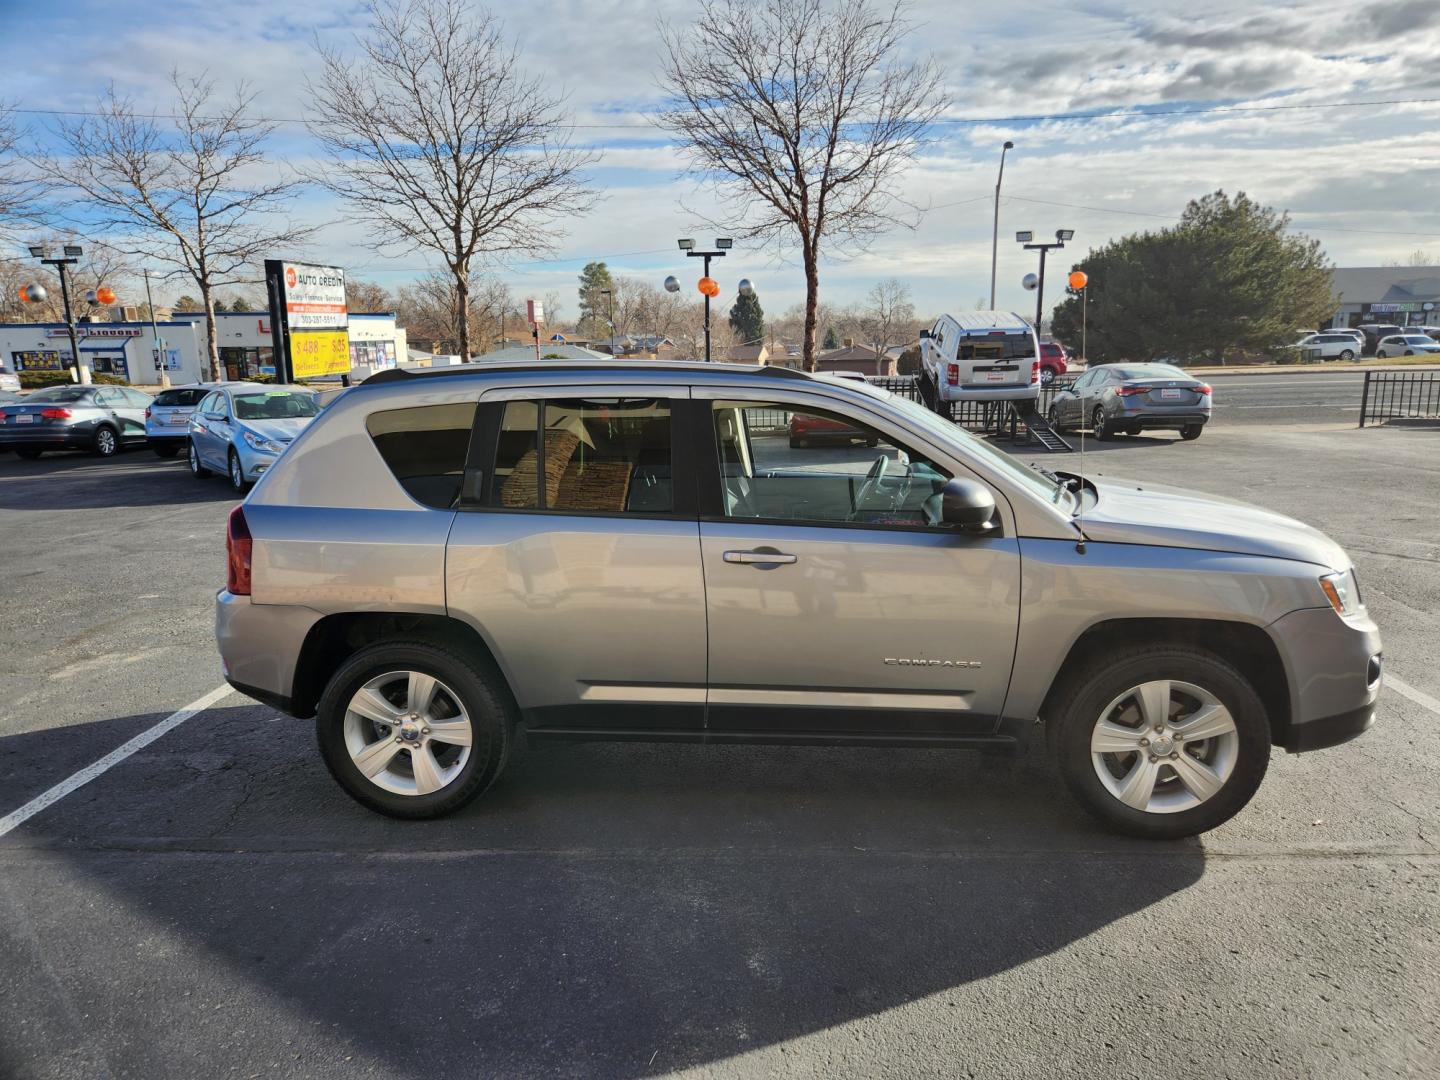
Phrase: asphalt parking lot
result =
(215, 905)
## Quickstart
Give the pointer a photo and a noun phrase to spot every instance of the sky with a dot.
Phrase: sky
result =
(1364, 179)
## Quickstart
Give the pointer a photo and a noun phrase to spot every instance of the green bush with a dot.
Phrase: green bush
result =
(34, 380)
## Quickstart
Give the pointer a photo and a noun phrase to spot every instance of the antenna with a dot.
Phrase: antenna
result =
(1080, 495)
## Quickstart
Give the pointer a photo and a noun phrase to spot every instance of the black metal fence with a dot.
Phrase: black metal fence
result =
(976, 415)
(1400, 395)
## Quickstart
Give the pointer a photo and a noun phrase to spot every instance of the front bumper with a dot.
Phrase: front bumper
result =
(253, 462)
(1335, 670)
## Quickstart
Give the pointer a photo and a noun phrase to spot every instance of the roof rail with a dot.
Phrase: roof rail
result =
(395, 374)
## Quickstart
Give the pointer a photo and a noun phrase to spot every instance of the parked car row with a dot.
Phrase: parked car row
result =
(236, 429)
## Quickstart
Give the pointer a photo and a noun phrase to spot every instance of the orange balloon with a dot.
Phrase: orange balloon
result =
(105, 294)
(24, 299)
(709, 286)
(1079, 279)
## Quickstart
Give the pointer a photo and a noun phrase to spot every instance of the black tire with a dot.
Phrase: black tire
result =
(1048, 375)
(481, 692)
(798, 444)
(1099, 427)
(1347, 354)
(1380, 354)
(1409, 352)
(105, 442)
(235, 473)
(29, 453)
(192, 458)
(169, 450)
(1191, 432)
(872, 443)
(1053, 416)
(1086, 695)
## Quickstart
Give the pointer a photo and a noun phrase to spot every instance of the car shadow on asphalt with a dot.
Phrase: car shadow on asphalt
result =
(607, 909)
(136, 477)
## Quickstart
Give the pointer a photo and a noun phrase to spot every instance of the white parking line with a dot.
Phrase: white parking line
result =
(16, 818)
(1404, 689)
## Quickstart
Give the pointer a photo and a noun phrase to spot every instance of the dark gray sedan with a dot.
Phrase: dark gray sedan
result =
(101, 419)
(1115, 399)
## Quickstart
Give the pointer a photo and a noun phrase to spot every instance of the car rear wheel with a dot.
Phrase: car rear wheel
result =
(236, 472)
(197, 470)
(1191, 432)
(1099, 425)
(1165, 742)
(105, 442)
(1047, 375)
(1380, 354)
(1347, 354)
(413, 729)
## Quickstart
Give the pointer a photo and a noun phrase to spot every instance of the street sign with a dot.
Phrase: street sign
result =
(308, 319)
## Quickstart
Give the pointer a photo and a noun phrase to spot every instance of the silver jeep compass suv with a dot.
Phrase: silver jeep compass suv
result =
(633, 550)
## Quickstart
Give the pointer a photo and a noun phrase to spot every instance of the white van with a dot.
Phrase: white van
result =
(979, 356)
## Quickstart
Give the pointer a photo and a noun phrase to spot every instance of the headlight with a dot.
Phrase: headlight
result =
(1343, 592)
(257, 442)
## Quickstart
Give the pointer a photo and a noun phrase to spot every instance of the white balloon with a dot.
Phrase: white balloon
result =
(1031, 282)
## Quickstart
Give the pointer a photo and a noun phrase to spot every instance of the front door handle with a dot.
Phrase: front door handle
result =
(760, 557)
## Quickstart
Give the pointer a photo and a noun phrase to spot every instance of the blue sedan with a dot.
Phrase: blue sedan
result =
(240, 429)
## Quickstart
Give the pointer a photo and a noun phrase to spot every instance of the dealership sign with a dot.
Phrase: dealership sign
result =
(308, 318)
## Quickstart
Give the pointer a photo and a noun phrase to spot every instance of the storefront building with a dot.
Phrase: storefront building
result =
(247, 348)
(125, 350)
(1402, 295)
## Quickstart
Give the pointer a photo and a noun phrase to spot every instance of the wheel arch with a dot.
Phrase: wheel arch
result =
(335, 638)
(1247, 647)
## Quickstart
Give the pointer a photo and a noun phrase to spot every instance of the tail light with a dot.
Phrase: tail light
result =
(238, 547)
(1131, 391)
(952, 374)
(56, 414)
(1035, 373)
(147, 412)
(1203, 388)
(2, 416)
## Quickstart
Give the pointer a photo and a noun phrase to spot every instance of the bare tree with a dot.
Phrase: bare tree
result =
(430, 309)
(438, 139)
(803, 114)
(361, 295)
(889, 314)
(198, 195)
(22, 189)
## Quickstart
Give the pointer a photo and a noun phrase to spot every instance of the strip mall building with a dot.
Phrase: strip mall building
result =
(127, 349)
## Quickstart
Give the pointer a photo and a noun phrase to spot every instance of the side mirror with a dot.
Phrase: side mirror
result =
(925, 335)
(967, 504)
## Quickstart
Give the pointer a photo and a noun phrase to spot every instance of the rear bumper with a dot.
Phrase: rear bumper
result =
(1163, 420)
(1015, 392)
(260, 646)
(44, 436)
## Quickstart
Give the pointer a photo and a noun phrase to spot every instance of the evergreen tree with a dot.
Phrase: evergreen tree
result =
(595, 308)
(747, 319)
(831, 341)
(220, 307)
(1229, 278)
(188, 303)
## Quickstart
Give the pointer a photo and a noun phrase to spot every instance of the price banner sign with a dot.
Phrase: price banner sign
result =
(319, 352)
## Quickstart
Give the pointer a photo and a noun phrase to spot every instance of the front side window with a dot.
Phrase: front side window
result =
(579, 455)
(812, 466)
(425, 448)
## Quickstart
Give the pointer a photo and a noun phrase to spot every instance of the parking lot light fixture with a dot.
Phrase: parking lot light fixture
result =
(62, 265)
(1061, 235)
(1064, 234)
(73, 251)
(39, 251)
(686, 245)
(724, 243)
(1024, 237)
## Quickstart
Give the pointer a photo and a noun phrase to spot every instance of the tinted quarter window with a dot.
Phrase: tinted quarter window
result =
(425, 448)
(605, 455)
(819, 467)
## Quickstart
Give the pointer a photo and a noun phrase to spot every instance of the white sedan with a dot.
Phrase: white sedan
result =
(1406, 345)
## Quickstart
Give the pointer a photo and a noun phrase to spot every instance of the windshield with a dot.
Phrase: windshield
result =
(62, 393)
(275, 405)
(1025, 475)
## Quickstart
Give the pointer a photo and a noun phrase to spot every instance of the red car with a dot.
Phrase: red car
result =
(1053, 361)
(806, 429)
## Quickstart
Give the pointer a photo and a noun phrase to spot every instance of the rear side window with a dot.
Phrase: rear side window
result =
(597, 455)
(425, 448)
(184, 398)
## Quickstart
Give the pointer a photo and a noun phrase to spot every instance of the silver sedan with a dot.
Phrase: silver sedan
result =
(1113, 399)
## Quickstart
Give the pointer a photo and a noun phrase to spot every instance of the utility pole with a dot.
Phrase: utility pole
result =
(995, 230)
(155, 330)
(72, 253)
(609, 295)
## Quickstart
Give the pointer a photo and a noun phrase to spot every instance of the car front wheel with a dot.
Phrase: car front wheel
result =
(1099, 425)
(105, 442)
(1047, 376)
(236, 472)
(1166, 742)
(1052, 415)
(1380, 354)
(1347, 355)
(413, 729)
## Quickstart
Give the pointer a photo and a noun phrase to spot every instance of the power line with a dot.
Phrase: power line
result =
(1133, 112)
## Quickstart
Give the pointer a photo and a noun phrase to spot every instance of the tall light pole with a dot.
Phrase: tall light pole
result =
(72, 253)
(1061, 235)
(995, 231)
(722, 245)
(609, 294)
(155, 332)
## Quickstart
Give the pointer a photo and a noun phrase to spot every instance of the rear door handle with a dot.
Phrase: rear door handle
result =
(760, 557)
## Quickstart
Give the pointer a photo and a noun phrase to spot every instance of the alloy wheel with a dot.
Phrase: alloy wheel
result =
(237, 473)
(1164, 746)
(105, 442)
(408, 733)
